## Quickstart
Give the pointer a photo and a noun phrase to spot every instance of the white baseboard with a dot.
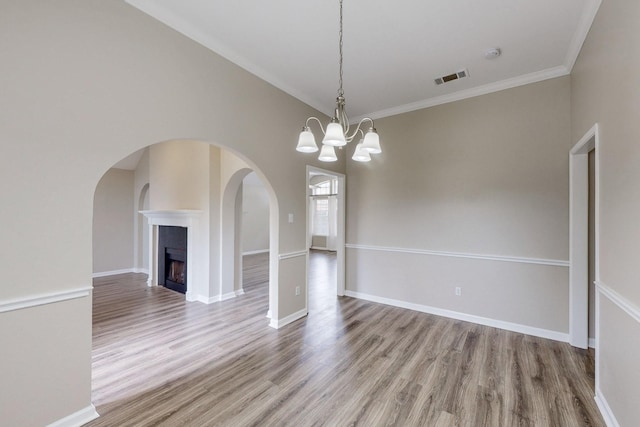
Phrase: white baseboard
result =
(514, 327)
(77, 419)
(592, 343)
(605, 409)
(277, 324)
(123, 271)
(228, 295)
(114, 272)
(218, 298)
(259, 251)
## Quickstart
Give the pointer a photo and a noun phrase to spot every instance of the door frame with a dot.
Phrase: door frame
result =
(579, 236)
(340, 252)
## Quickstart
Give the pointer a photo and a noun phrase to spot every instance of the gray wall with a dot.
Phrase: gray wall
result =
(605, 90)
(482, 177)
(255, 215)
(113, 222)
(86, 83)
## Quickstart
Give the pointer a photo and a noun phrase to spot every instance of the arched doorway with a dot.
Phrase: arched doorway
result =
(224, 185)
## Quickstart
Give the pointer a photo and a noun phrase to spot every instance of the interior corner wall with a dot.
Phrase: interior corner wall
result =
(141, 203)
(215, 219)
(470, 195)
(604, 90)
(113, 222)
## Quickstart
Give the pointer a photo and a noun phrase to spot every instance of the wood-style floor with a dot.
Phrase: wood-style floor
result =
(161, 361)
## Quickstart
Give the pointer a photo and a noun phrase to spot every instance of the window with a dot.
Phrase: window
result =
(320, 223)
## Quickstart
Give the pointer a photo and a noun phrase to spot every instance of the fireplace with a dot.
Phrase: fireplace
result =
(172, 258)
(179, 231)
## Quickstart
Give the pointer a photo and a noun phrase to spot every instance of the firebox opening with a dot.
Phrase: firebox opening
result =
(172, 258)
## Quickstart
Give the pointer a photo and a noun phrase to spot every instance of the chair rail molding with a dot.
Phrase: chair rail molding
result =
(45, 298)
(523, 260)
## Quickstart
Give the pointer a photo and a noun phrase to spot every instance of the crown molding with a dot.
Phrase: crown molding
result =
(586, 21)
(178, 24)
(525, 79)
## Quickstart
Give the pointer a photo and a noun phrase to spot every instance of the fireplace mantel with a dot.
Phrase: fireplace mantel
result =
(190, 219)
(178, 217)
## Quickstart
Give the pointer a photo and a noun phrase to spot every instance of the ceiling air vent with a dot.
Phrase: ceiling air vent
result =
(455, 76)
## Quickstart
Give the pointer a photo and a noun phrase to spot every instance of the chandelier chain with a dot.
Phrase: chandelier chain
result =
(340, 90)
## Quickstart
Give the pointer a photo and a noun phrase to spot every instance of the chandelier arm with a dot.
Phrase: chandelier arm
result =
(317, 120)
(345, 122)
(350, 138)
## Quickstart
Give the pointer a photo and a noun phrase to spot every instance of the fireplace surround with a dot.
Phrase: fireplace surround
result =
(177, 260)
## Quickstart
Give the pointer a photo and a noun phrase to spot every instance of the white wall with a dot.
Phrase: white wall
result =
(255, 215)
(113, 222)
(141, 203)
(87, 83)
(604, 90)
(485, 179)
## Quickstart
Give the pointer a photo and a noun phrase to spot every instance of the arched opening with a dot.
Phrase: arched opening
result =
(139, 189)
(231, 234)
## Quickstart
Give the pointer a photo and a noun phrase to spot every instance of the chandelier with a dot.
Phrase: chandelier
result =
(337, 132)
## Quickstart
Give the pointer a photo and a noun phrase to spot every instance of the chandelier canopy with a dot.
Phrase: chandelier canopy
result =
(337, 131)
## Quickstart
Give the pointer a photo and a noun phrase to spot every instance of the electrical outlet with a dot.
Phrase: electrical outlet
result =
(458, 291)
(297, 290)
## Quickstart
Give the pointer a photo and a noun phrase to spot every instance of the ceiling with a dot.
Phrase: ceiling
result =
(393, 51)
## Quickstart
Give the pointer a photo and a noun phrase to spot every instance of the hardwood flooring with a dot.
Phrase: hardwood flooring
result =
(161, 361)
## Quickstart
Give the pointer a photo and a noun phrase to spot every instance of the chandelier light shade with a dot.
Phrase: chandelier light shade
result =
(361, 155)
(328, 154)
(337, 132)
(335, 135)
(307, 142)
(372, 142)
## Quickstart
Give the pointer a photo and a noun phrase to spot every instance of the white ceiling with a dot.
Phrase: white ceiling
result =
(393, 50)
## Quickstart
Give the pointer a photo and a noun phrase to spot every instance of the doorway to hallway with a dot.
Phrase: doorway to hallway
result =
(325, 232)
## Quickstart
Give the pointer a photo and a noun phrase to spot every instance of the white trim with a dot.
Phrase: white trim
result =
(113, 272)
(206, 300)
(196, 271)
(340, 247)
(78, 418)
(141, 270)
(260, 251)
(605, 409)
(277, 324)
(180, 25)
(172, 20)
(42, 299)
(592, 343)
(626, 305)
(586, 20)
(523, 260)
(227, 296)
(515, 327)
(219, 298)
(579, 234)
(525, 79)
(292, 255)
